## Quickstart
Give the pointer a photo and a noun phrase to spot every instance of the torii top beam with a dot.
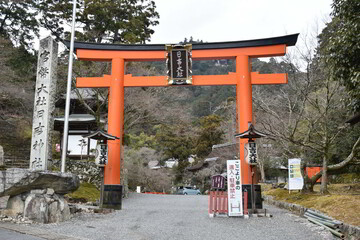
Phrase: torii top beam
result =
(156, 52)
(265, 47)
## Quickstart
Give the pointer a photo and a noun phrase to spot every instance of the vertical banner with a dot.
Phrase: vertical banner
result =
(101, 154)
(251, 153)
(235, 205)
(44, 105)
(296, 180)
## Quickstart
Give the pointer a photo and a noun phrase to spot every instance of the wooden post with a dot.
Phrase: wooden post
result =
(246, 211)
(102, 187)
(253, 202)
(216, 202)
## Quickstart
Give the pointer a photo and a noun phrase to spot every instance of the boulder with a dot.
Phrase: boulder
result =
(36, 208)
(15, 181)
(15, 206)
(38, 191)
(65, 210)
(44, 208)
(3, 201)
(55, 213)
(50, 191)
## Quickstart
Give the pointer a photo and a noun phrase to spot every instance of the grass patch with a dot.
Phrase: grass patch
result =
(87, 192)
(343, 202)
(347, 178)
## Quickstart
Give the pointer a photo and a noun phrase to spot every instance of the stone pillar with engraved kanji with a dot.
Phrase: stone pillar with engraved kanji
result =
(44, 105)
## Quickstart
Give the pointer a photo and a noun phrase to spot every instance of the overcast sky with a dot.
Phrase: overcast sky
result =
(231, 20)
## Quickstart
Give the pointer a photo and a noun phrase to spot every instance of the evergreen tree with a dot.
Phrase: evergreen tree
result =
(119, 21)
(340, 47)
(18, 22)
(209, 135)
(114, 21)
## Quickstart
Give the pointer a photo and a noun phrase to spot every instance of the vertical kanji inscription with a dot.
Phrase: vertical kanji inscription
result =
(44, 105)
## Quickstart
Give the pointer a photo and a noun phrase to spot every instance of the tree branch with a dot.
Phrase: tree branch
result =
(355, 150)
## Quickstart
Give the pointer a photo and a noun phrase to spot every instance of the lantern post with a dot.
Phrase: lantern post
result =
(101, 158)
(250, 153)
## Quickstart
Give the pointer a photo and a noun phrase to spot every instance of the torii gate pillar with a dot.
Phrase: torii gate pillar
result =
(244, 108)
(115, 121)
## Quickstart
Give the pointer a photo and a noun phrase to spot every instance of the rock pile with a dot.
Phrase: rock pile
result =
(16, 219)
(36, 196)
(39, 205)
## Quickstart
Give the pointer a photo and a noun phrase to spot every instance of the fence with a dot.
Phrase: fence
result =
(16, 162)
(218, 202)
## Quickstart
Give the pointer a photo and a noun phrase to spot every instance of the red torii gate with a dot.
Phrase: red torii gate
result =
(243, 78)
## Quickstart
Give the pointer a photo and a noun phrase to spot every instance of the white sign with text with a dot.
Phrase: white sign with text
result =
(296, 181)
(235, 205)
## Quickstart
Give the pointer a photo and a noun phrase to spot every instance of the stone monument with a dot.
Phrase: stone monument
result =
(44, 105)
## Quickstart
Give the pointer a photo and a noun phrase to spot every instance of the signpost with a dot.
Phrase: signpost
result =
(217, 182)
(296, 181)
(235, 204)
(251, 153)
(101, 154)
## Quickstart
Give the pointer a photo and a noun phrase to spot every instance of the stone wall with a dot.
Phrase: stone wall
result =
(87, 171)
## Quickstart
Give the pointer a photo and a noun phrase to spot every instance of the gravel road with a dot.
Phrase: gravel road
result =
(146, 216)
(11, 235)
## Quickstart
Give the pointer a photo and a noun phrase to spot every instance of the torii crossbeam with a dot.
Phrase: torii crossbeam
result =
(243, 79)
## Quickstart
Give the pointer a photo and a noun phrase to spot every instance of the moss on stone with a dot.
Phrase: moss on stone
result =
(87, 192)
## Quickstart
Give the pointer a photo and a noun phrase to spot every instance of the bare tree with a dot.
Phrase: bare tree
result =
(306, 117)
(138, 173)
(82, 144)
